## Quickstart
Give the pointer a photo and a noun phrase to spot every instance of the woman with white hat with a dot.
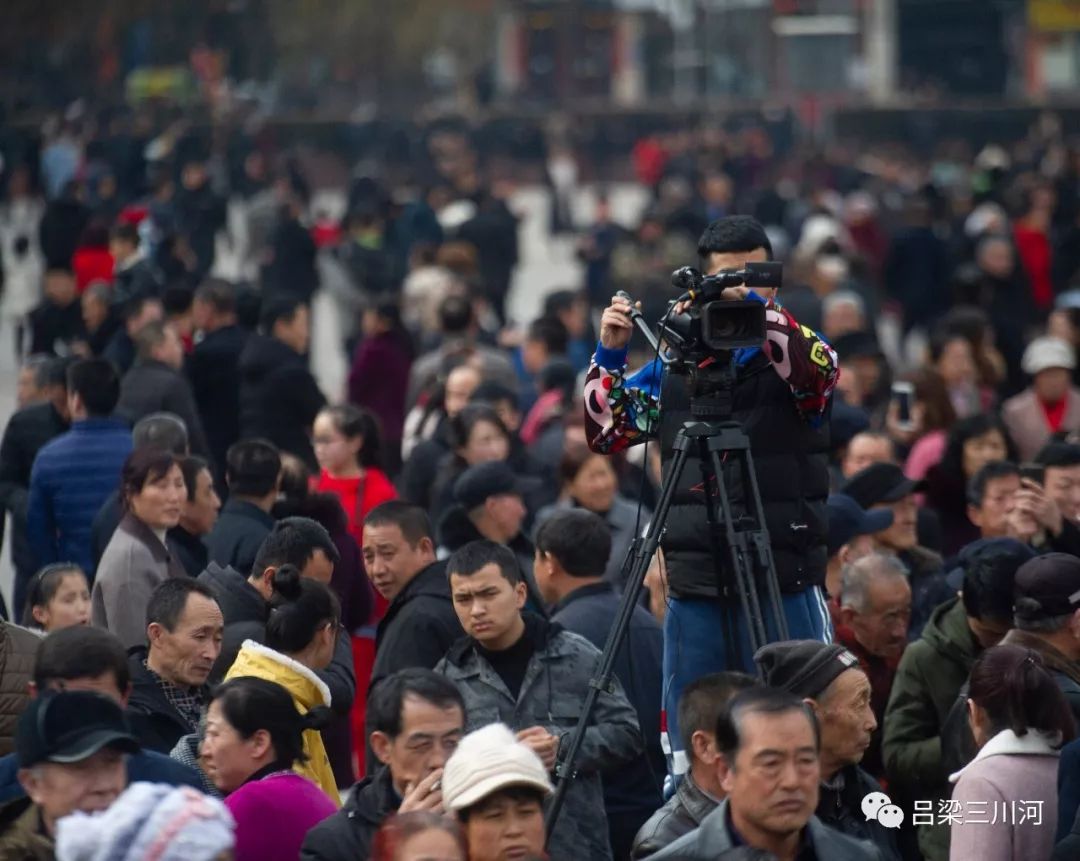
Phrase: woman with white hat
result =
(497, 786)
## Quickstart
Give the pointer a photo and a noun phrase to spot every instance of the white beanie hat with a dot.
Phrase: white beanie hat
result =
(486, 761)
(149, 822)
(1047, 352)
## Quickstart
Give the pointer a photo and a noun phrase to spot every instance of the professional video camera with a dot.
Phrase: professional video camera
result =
(714, 324)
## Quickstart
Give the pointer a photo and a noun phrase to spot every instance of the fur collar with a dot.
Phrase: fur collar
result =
(287, 662)
(1008, 743)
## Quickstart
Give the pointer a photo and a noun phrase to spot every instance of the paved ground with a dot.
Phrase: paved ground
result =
(547, 263)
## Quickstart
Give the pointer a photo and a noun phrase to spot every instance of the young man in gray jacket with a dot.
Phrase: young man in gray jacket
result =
(521, 670)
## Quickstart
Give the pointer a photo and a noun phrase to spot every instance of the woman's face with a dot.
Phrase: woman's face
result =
(68, 607)
(505, 828)
(434, 844)
(228, 759)
(957, 363)
(335, 452)
(981, 450)
(594, 485)
(160, 502)
(486, 442)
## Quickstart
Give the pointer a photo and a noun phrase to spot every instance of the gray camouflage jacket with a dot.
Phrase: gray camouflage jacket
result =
(552, 694)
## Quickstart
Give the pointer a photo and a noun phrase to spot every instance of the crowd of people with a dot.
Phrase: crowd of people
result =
(251, 616)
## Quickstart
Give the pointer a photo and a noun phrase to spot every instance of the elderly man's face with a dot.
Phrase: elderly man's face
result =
(89, 786)
(902, 534)
(865, 450)
(881, 626)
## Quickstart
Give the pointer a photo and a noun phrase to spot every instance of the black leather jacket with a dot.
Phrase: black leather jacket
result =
(680, 815)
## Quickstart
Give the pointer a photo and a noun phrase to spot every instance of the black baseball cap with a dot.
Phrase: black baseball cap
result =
(1047, 586)
(479, 483)
(70, 726)
(848, 519)
(880, 483)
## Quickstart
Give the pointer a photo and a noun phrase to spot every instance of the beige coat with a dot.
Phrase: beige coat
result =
(1024, 417)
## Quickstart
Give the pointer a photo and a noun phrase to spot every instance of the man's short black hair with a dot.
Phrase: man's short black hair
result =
(1058, 455)
(756, 700)
(492, 392)
(218, 294)
(550, 332)
(168, 600)
(125, 232)
(252, 467)
(387, 701)
(293, 541)
(989, 575)
(97, 384)
(989, 472)
(731, 235)
(560, 301)
(191, 466)
(476, 555)
(455, 315)
(281, 307)
(579, 540)
(705, 699)
(53, 372)
(412, 520)
(80, 652)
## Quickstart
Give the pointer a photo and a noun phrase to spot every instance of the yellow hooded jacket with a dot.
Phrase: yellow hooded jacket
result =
(308, 691)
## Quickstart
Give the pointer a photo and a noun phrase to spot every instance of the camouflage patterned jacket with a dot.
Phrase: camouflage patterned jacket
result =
(552, 693)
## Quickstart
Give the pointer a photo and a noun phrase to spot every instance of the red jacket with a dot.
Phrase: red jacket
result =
(91, 264)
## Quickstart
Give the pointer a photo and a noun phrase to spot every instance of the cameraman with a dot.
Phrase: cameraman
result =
(781, 396)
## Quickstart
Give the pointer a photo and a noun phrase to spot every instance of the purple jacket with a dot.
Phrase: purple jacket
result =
(379, 380)
(274, 815)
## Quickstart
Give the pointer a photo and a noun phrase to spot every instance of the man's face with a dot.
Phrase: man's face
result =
(89, 786)
(865, 450)
(507, 513)
(94, 311)
(773, 784)
(27, 391)
(739, 260)
(186, 654)
(997, 502)
(200, 513)
(882, 629)
(1052, 384)
(988, 632)
(295, 332)
(460, 385)
(846, 718)
(901, 535)
(391, 561)
(429, 735)
(487, 605)
(1063, 486)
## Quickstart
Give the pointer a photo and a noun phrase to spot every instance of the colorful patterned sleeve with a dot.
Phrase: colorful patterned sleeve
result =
(803, 359)
(620, 410)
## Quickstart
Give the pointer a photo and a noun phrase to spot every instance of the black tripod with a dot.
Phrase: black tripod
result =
(714, 440)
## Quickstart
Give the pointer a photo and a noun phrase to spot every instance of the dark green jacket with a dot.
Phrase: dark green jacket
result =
(931, 673)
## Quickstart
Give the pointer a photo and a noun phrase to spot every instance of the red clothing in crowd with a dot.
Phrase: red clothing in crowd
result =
(1034, 248)
(1055, 413)
(358, 496)
(91, 264)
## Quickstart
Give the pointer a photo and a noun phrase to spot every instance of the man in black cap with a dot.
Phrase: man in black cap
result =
(71, 747)
(829, 680)
(490, 503)
(850, 537)
(884, 486)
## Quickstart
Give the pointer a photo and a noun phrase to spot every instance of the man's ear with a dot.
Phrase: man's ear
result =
(154, 632)
(521, 594)
(29, 782)
(703, 747)
(426, 546)
(847, 615)
(726, 772)
(381, 744)
(974, 515)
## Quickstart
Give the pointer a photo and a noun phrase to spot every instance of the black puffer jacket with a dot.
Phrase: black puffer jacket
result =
(841, 808)
(792, 468)
(348, 834)
(279, 397)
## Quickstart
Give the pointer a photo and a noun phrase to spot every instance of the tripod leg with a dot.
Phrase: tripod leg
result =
(732, 646)
(601, 681)
(764, 551)
(744, 579)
